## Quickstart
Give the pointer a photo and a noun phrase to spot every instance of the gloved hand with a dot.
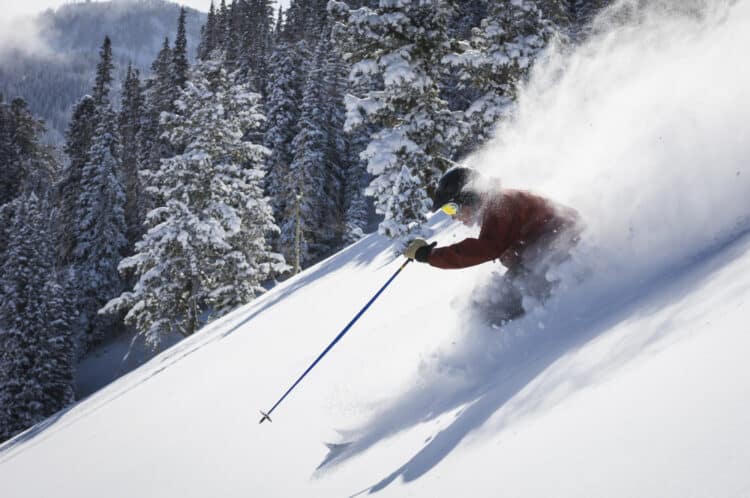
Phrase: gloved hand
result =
(419, 250)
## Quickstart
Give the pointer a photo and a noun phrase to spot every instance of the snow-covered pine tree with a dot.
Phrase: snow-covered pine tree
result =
(209, 35)
(37, 167)
(309, 226)
(307, 20)
(25, 164)
(104, 68)
(100, 229)
(282, 109)
(20, 150)
(158, 98)
(6, 218)
(222, 21)
(499, 57)
(470, 15)
(180, 64)
(348, 170)
(9, 171)
(459, 96)
(94, 233)
(160, 85)
(561, 13)
(573, 18)
(402, 44)
(255, 42)
(206, 250)
(231, 24)
(36, 346)
(79, 136)
(358, 208)
(130, 121)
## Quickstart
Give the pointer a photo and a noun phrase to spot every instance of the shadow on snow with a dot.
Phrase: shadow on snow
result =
(491, 367)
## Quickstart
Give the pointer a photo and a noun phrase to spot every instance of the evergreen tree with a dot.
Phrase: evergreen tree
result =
(92, 221)
(79, 138)
(358, 207)
(209, 35)
(284, 99)
(22, 158)
(100, 229)
(256, 41)
(306, 20)
(347, 172)
(158, 98)
(279, 26)
(309, 226)
(222, 20)
(130, 121)
(104, 68)
(403, 45)
(161, 90)
(562, 13)
(36, 347)
(232, 34)
(206, 249)
(499, 57)
(25, 164)
(457, 92)
(6, 219)
(8, 173)
(468, 16)
(180, 62)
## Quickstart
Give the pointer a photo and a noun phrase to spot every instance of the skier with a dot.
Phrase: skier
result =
(528, 234)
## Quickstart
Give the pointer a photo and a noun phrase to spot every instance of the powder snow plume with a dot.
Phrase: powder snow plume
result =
(643, 129)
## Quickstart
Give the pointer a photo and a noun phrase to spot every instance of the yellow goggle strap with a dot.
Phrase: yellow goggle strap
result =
(451, 209)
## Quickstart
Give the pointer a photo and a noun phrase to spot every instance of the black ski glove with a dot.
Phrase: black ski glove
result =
(423, 252)
(419, 250)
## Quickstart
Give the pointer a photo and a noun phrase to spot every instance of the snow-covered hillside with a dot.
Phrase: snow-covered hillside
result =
(632, 381)
(50, 59)
(644, 394)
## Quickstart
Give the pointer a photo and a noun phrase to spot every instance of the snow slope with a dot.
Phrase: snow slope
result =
(647, 395)
(632, 381)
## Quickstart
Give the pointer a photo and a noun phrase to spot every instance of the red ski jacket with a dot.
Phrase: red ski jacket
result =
(512, 221)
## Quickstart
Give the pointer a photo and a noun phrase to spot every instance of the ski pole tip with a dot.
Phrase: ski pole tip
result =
(265, 417)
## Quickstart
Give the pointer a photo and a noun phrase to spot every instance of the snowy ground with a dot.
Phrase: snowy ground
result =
(632, 381)
(646, 395)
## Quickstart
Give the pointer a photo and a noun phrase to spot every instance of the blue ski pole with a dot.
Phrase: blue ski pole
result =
(267, 415)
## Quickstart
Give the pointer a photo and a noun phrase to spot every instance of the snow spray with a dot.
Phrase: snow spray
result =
(643, 128)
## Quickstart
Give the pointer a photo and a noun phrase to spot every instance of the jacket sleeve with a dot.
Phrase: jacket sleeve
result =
(468, 252)
(494, 238)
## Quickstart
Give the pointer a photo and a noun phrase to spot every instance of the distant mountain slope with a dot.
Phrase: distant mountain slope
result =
(53, 82)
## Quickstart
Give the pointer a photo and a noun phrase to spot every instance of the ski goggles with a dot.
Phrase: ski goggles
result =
(451, 209)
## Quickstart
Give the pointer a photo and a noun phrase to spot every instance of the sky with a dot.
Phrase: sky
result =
(15, 9)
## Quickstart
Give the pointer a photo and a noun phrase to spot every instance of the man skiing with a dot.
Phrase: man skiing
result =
(526, 233)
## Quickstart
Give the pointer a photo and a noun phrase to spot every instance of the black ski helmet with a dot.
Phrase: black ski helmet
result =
(456, 186)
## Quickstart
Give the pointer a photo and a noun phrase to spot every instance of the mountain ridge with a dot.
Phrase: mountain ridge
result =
(58, 70)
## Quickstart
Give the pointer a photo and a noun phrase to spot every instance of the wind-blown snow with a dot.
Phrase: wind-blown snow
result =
(632, 381)
(644, 130)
